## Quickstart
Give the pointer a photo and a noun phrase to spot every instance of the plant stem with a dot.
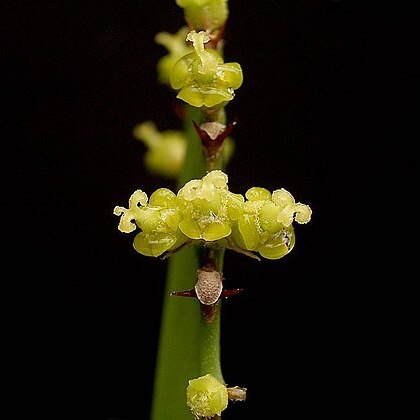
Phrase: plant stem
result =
(194, 165)
(210, 346)
(178, 349)
(178, 358)
(210, 332)
(189, 347)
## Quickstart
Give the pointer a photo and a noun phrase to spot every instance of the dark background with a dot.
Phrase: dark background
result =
(81, 309)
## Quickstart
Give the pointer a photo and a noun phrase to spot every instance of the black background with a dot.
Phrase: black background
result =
(81, 308)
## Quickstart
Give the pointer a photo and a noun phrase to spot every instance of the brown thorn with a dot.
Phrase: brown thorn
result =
(231, 292)
(184, 293)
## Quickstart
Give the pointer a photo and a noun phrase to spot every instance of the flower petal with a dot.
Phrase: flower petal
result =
(153, 244)
(190, 228)
(216, 230)
(248, 228)
(258, 193)
(273, 250)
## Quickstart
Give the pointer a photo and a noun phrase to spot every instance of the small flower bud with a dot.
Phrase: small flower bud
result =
(206, 396)
(166, 150)
(209, 15)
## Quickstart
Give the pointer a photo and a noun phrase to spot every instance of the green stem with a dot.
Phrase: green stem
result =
(178, 355)
(210, 336)
(189, 347)
(194, 165)
(210, 347)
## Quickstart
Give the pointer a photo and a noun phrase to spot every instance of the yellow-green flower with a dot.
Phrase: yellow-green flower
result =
(206, 396)
(208, 207)
(209, 15)
(158, 221)
(166, 150)
(265, 224)
(202, 77)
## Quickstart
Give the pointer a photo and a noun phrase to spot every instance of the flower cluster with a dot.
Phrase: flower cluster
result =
(265, 223)
(202, 77)
(204, 210)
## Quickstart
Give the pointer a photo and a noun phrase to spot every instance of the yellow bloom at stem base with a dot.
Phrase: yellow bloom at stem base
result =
(206, 396)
